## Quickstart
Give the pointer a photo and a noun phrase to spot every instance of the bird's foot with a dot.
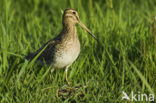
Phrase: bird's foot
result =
(68, 91)
(67, 83)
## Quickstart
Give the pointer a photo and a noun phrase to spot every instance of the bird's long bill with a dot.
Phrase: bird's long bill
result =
(83, 26)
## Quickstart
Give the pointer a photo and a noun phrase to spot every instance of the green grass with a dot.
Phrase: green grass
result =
(123, 60)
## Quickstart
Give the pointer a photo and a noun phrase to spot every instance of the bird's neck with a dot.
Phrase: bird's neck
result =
(69, 27)
(69, 30)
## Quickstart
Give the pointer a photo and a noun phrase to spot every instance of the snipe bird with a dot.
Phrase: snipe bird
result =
(62, 51)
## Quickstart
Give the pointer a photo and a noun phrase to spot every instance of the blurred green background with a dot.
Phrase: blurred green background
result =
(123, 60)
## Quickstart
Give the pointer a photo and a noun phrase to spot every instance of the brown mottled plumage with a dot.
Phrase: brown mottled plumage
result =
(63, 50)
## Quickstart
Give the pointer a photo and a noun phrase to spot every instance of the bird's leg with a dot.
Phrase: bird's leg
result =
(52, 70)
(66, 70)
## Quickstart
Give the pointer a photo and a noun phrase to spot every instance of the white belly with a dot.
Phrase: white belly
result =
(66, 57)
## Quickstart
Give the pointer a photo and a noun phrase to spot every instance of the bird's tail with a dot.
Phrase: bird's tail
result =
(30, 56)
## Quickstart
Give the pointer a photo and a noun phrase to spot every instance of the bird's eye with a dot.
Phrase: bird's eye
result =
(73, 12)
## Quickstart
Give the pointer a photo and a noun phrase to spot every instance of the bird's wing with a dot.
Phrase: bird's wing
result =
(45, 53)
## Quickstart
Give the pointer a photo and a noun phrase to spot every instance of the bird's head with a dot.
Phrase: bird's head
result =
(70, 16)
